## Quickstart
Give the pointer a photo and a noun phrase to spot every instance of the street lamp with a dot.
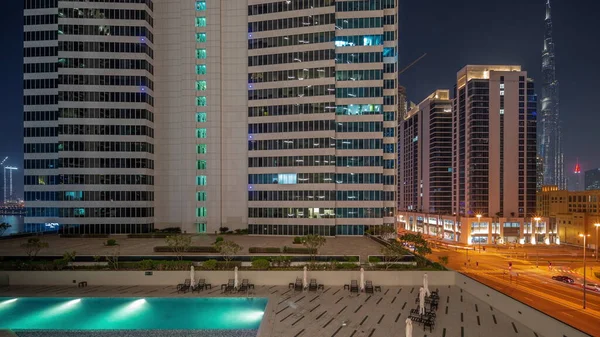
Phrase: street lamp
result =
(597, 225)
(584, 236)
(479, 226)
(533, 237)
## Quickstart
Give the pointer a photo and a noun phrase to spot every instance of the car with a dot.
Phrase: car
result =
(564, 279)
(592, 286)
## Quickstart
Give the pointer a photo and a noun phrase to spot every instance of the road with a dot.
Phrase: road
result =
(529, 280)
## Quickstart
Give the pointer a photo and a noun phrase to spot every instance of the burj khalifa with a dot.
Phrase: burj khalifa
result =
(550, 140)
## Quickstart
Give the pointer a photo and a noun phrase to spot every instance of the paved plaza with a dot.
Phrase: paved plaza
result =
(331, 312)
(90, 246)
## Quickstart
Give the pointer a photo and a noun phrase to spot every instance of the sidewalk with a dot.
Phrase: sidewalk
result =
(590, 273)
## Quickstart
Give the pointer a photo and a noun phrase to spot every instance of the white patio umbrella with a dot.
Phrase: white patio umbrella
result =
(362, 279)
(236, 281)
(408, 327)
(421, 301)
(305, 278)
(192, 276)
(426, 284)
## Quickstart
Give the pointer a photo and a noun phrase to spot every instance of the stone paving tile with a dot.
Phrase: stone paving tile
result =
(333, 312)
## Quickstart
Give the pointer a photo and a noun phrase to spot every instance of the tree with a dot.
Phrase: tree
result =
(69, 257)
(443, 260)
(113, 259)
(421, 246)
(313, 242)
(33, 246)
(4, 227)
(393, 252)
(179, 243)
(228, 249)
(387, 232)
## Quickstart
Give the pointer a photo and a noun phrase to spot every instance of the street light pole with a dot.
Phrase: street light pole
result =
(479, 226)
(597, 225)
(584, 237)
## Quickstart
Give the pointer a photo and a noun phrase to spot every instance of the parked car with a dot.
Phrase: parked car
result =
(592, 286)
(564, 279)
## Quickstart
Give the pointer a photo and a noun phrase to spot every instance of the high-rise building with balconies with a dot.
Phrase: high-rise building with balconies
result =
(425, 156)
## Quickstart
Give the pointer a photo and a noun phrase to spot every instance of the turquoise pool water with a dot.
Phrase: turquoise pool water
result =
(32, 313)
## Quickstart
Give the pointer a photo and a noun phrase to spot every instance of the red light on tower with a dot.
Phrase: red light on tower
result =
(577, 168)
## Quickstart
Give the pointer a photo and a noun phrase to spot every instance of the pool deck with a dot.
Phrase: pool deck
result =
(332, 312)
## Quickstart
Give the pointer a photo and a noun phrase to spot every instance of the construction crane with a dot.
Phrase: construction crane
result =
(403, 105)
(412, 64)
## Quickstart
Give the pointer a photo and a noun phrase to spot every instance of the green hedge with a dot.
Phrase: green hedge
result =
(292, 250)
(149, 236)
(263, 264)
(74, 236)
(155, 265)
(267, 250)
(374, 259)
(191, 249)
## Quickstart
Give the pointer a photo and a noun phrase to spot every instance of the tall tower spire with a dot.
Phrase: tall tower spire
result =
(550, 144)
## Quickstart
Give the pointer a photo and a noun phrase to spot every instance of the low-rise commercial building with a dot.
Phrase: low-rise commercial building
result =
(571, 212)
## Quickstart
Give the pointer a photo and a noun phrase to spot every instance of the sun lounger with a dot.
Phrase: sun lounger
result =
(298, 286)
(185, 286)
(312, 286)
(354, 286)
(244, 286)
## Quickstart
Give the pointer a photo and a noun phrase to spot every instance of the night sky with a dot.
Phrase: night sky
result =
(452, 33)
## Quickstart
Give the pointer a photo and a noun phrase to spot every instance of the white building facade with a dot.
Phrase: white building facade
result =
(273, 116)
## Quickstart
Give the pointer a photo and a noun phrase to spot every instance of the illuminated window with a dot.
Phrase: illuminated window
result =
(201, 148)
(200, 37)
(200, 5)
(201, 195)
(502, 111)
(287, 178)
(200, 69)
(201, 164)
(201, 133)
(501, 85)
(501, 92)
(201, 101)
(201, 212)
(201, 53)
(201, 117)
(201, 227)
(201, 180)
(201, 21)
(201, 85)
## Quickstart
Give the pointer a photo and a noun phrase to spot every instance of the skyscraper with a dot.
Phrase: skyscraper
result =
(493, 170)
(425, 156)
(576, 180)
(550, 144)
(277, 117)
(494, 142)
(89, 126)
(592, 179)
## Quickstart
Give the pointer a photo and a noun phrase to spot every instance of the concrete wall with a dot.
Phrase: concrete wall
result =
(539, 322)
(124, 278)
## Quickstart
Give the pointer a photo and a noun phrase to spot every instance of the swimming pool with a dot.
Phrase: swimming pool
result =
(33, 313)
